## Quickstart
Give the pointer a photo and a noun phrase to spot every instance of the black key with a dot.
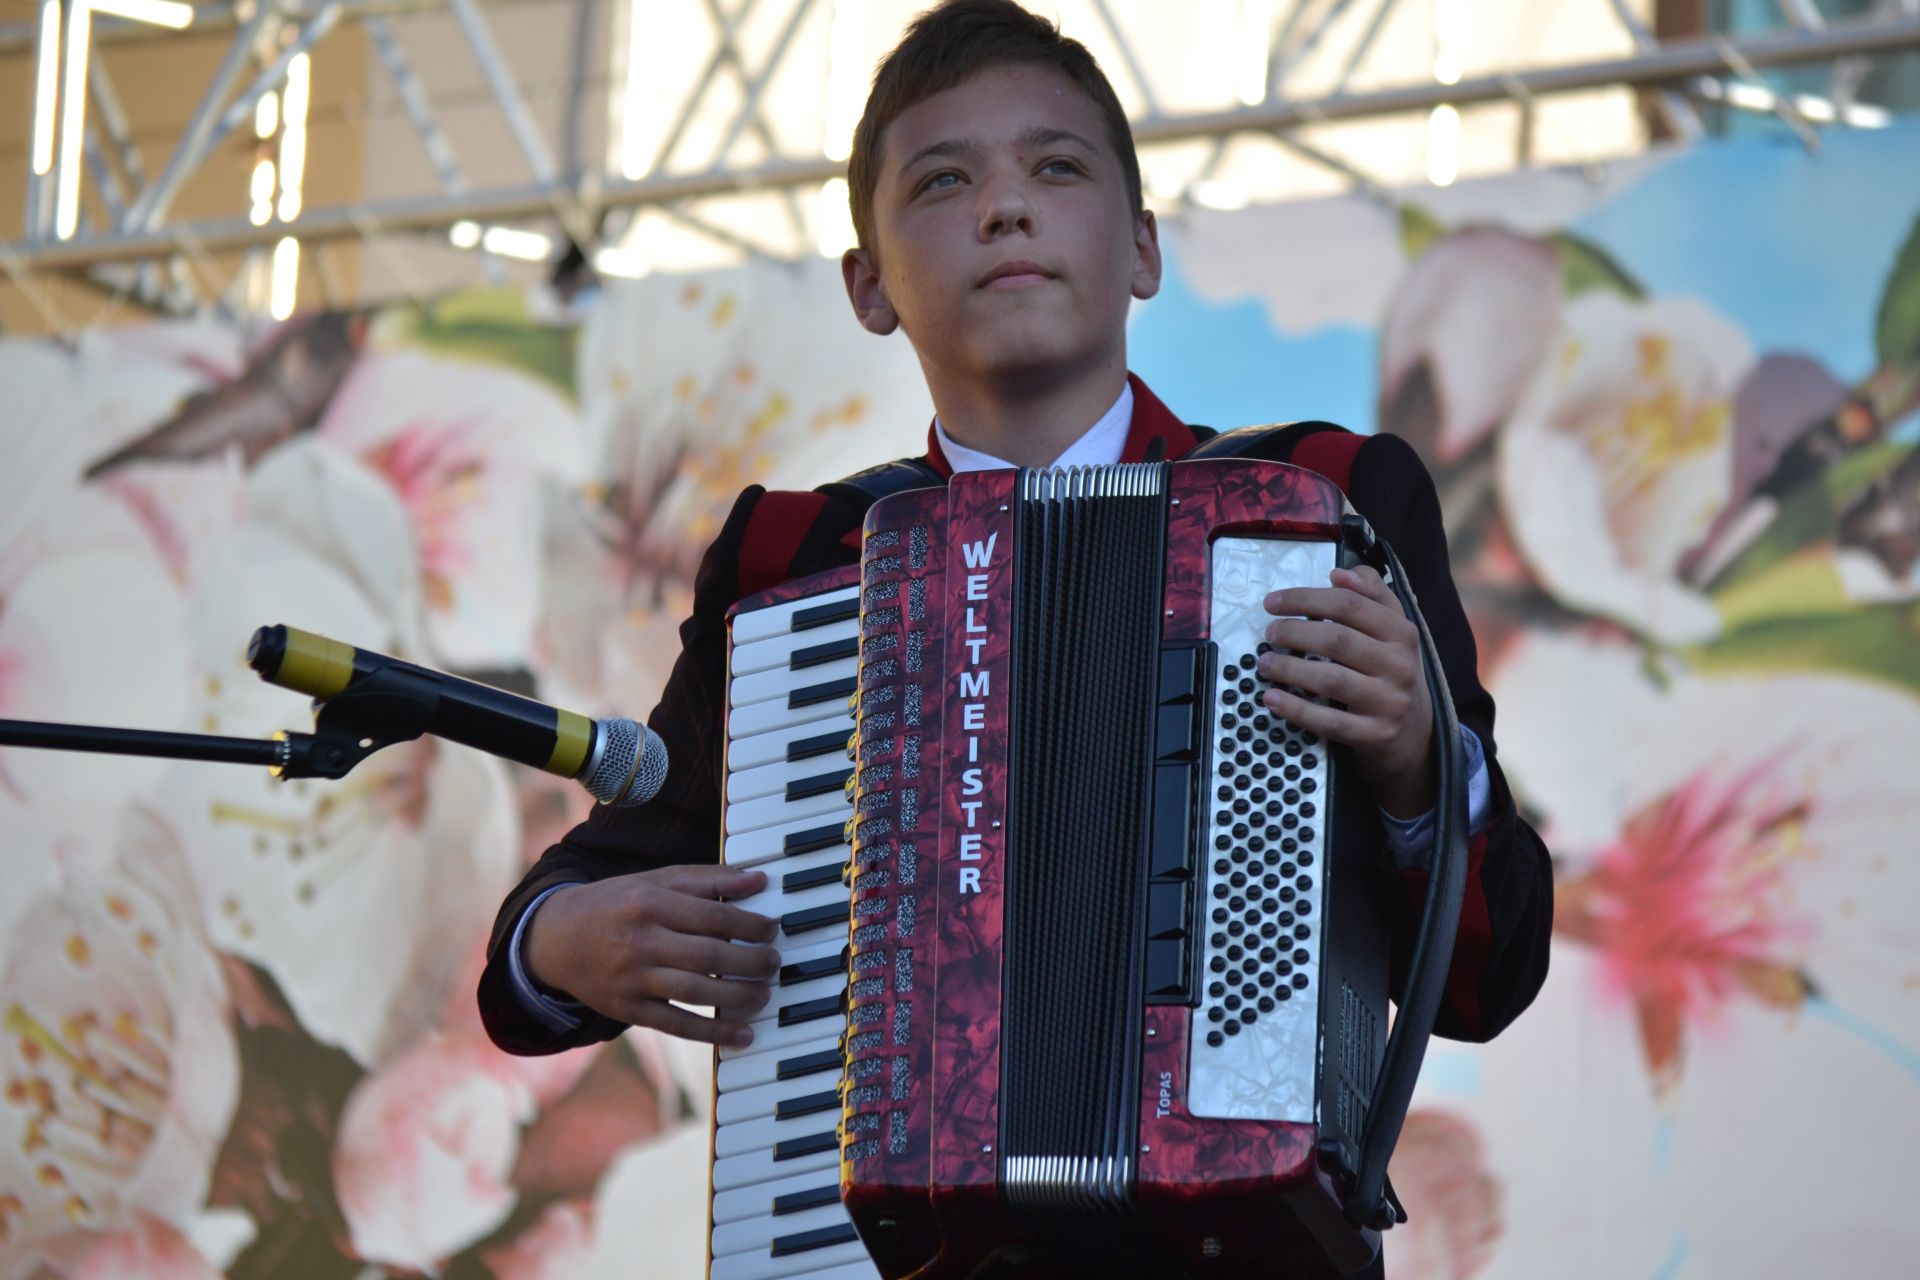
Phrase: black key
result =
(821, 744)
(814, 694)
(793, 1148)
(814, 655)
(807, 1105)
(820, 615)
(795, 922)
(797, 1201)
(814, 1010)
(839, 1233)
(818, 967)
(799, 842)
(809, 1064)
(827, 873)
(818, 785)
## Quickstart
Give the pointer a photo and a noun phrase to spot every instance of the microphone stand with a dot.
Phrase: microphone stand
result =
(377, 711)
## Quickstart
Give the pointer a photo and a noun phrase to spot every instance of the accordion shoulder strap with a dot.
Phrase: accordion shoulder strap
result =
(1320, 447)
(864, 488)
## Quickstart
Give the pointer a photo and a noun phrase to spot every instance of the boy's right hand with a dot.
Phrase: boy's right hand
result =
(625, 946)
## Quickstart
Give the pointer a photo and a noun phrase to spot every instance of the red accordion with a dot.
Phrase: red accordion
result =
(1094, 943)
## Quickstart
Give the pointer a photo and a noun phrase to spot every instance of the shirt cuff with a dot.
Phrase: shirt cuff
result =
(1411, 839)
(550, 1012)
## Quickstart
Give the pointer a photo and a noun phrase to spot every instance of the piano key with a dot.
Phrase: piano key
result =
(812, 1238)
(796, 878)
(764, 1266)
(801, 1002)
(782, 683)
(752, 750)
(730, 1172)
(793, 650)
(747, 1202)
(799, 835)
(767, 811)
(768, 1033)
(760, 1232)
(795, 970)
(787, 1139)
(776, 714)
(791, 778)
(745, 1070)
(777, 904)
(833, 1005)
(796, 616)
(791, 1202)
(735, 1105)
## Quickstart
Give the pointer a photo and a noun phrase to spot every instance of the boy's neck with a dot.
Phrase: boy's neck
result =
(1028, 424)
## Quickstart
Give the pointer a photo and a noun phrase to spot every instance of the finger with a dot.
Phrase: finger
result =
(726, 996)
(1330, 680)
(715, 956)
(1383, 621)
(712, 881)
(1331, 723)
(1343, 644)
(1366, 580)
(661, 1016)
(684, 913)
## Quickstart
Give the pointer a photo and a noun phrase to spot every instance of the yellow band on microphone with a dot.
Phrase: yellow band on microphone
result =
(572, 739)
(314, 665)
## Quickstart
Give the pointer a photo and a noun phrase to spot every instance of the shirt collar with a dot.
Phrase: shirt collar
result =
(1099, 445)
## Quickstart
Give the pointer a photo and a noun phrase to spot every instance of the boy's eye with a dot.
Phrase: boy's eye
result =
(939, 180)
(1060, 166)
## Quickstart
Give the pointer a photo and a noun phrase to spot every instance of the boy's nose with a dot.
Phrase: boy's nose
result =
(1004, 208)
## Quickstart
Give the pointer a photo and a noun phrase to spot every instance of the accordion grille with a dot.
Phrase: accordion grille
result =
(1089, 546)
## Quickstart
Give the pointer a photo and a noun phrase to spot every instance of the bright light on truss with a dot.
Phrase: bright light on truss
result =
(517, 242)
(657, 37)
(624, 261)
(73, 120)
(46, 86)
(1443, 145)
(293, 139)
(262, 191)
(846, 78)
(266, 114)
(1819, 110)
(158, 13)
(1251, 49)
(464, 234)
(286, 278)
(833, 221)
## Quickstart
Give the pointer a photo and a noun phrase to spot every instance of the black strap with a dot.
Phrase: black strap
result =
(864, 488)
(1273, 441)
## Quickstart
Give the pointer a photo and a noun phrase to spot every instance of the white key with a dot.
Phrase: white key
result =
(760, 1232)
(751, 848)
(772, 779)
(764, 1266)
(778, 620)
(765, 748)
(778, 683)
(748, 1202)
(765, 1131)
(800, 993)
(750, 1104)
(769, 810)
(779, 869)
(777, 651)
(771, 1035)
(760, 1166)
(758, 1066)
(773, 902)
(774, 715)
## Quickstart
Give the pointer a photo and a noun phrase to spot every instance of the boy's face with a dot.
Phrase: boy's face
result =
(1012, 167)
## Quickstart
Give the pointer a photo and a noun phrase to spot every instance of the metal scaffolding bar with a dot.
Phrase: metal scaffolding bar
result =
(1670, 64)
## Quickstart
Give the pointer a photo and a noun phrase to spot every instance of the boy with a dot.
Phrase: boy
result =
(997, 202)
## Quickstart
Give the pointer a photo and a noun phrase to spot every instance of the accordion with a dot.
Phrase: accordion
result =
(1084, 951)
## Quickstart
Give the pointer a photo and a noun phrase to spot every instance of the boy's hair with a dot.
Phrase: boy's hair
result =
(949, 44)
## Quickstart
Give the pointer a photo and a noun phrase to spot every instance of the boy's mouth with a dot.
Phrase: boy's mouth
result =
(1014, 275)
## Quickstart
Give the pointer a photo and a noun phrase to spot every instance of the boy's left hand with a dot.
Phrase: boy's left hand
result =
(1372, 675)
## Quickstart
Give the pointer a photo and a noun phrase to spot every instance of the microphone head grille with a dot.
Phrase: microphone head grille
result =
(630, 766)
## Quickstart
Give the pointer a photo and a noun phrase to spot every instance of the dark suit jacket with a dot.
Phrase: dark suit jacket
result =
(1500, 956)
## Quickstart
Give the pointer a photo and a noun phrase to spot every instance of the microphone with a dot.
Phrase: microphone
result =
(621, 763)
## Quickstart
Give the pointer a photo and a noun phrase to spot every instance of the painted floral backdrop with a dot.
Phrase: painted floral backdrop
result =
(1672, 414)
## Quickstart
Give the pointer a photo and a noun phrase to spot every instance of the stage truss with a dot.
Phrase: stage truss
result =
(96, 212)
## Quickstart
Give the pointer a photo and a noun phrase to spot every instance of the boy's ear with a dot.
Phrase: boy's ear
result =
(1146, 256)
(867, 294)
